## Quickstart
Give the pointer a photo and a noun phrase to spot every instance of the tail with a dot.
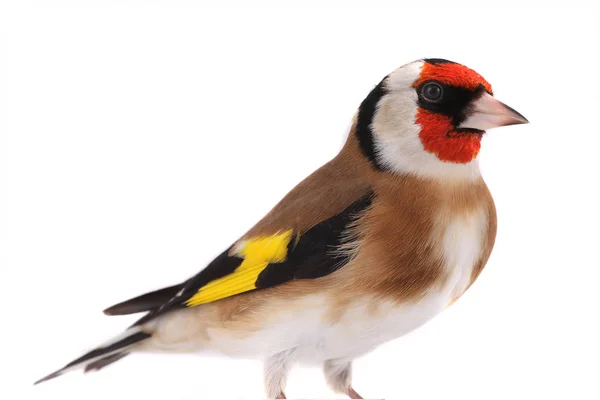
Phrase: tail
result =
(120, 346)
(105, 354)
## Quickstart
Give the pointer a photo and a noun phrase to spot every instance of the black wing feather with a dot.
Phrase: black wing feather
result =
(316, 253)
(145, 302)
(313, 256)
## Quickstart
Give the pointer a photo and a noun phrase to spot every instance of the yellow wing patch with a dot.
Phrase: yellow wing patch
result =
(257, 254)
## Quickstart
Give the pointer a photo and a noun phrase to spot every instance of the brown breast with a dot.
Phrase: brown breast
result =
(397, 255)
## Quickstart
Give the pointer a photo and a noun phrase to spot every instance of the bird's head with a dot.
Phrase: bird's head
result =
(428, 118)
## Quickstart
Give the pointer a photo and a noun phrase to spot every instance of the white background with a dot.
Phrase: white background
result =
(139, 139)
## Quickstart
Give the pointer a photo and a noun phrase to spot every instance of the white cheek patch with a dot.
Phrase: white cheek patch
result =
(404, 77)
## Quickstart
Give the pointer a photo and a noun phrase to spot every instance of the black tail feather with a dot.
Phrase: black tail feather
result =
(145, 302)
(109, 351)
(53, 375)
(103, 362)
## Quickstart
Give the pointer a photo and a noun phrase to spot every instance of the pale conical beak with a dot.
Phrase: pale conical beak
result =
(486, 112)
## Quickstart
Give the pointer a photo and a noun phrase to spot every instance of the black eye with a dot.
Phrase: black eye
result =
(432, 92)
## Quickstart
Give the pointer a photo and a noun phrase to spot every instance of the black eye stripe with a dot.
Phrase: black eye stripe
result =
(454, 101)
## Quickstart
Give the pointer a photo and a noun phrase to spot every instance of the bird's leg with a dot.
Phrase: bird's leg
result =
(338, 374)
(277, 368)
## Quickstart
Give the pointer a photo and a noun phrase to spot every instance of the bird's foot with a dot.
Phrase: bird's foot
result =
(353, 395)
(281, 396)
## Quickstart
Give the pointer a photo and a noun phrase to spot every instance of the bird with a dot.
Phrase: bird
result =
(370, 246)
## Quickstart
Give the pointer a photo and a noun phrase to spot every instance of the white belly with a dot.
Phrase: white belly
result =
(364, 324)
(313, 339)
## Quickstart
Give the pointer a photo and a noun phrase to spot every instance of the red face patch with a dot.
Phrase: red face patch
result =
(438, 135)
(453, 75)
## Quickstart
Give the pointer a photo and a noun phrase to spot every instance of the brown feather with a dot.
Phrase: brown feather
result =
(323, 194)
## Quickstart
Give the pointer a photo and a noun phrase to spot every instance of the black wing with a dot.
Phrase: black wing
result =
(285, 256)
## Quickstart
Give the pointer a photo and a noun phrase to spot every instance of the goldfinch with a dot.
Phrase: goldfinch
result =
(367, 248)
